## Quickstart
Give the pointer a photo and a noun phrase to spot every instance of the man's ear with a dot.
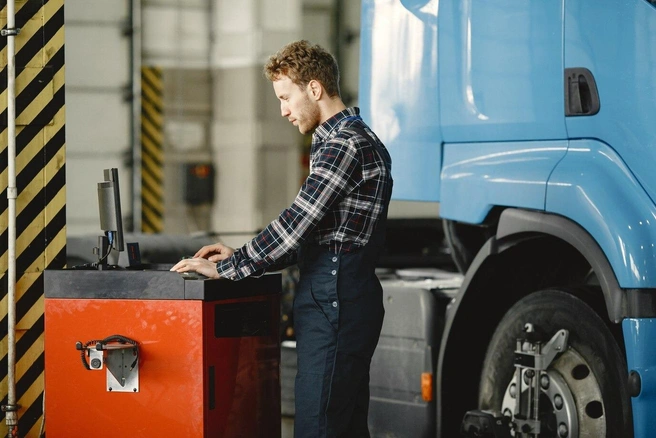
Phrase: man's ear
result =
(315, 89)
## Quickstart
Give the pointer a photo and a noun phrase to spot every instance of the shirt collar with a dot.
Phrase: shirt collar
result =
(323, 131)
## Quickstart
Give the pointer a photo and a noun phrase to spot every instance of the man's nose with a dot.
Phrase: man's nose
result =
(284, 111)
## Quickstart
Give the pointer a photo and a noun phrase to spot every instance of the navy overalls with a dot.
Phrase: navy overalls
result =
(338, 315)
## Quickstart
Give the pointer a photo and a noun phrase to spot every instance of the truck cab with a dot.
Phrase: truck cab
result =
(531, 123)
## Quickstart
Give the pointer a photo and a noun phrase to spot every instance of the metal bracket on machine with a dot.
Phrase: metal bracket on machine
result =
(121, 356)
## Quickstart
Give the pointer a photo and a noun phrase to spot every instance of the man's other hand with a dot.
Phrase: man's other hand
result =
(215, 253)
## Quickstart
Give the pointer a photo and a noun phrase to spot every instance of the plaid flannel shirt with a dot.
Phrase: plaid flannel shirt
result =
(338, 206)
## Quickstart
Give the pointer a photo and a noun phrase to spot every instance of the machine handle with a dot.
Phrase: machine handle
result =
(112, 342)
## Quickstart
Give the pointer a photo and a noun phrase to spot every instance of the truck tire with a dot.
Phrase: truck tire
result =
(589, 378)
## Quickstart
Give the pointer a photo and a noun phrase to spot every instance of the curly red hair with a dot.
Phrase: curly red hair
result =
(303, 62)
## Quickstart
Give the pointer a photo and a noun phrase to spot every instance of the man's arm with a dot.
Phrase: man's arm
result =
(329, 182)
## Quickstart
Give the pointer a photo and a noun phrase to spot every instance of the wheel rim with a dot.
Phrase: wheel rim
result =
(571, 405)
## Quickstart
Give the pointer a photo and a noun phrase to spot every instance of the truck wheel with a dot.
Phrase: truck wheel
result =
(584, 391)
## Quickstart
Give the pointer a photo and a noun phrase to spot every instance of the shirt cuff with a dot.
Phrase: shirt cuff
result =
(226, 270)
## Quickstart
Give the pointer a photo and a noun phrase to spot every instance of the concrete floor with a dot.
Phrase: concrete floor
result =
(287, 427)
(287, 376)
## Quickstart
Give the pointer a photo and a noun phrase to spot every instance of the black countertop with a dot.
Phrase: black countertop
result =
(152, 285)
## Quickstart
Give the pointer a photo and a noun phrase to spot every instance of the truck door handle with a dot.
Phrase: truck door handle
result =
(581, 96)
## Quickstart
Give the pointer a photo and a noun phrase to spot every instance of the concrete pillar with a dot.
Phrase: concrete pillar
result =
(255, 150)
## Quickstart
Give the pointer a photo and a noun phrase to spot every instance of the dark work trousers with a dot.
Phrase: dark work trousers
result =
(338, 315)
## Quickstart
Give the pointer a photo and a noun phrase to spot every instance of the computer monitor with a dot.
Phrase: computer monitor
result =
(109, 204)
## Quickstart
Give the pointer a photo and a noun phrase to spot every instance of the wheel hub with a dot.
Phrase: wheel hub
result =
(571, 405)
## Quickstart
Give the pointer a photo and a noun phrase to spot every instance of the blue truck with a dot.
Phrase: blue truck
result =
(532, 123)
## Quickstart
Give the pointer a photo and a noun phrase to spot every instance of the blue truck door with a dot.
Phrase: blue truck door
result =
(616, 41)
(610, 62)
(612, 153)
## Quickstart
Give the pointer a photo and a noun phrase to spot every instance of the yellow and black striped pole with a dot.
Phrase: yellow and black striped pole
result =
(152, 203)
(41, 201)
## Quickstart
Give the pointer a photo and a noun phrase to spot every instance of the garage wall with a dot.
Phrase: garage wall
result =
(218, 107)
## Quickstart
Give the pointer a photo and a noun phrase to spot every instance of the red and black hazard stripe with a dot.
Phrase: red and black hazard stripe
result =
(41, 184)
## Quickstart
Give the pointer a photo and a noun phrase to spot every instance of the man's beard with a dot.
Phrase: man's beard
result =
(309, 117)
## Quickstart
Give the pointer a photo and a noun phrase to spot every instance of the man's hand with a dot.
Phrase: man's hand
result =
(198, 264)
(205, 260)
(215, 253)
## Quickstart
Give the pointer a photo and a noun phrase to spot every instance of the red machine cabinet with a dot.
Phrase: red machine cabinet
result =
(208, 355)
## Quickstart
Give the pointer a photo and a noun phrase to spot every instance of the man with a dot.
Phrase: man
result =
(334, 230)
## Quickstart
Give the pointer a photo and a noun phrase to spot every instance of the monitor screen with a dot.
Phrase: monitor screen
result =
(109, 203)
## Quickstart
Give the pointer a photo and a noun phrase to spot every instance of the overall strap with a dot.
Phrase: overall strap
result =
(382, 153)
